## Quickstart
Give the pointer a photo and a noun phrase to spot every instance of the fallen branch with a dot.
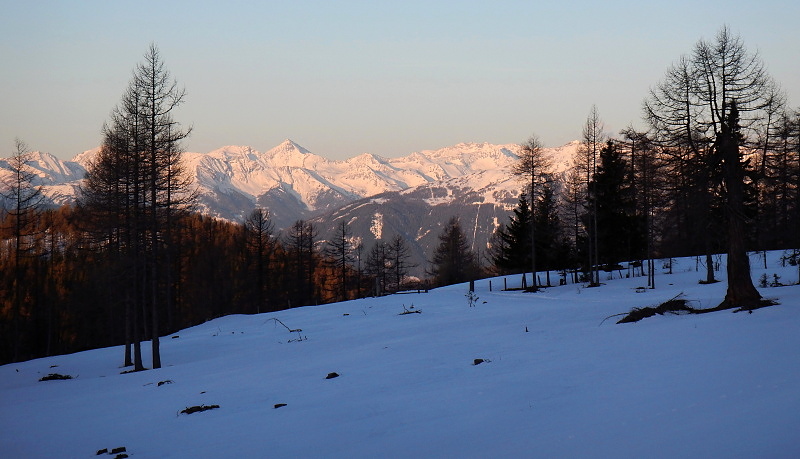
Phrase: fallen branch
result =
(410, 311)
(601, 322)
(55, 377)
(198, 408)
(291, 330)
(298, 330)
(677, 305)
(674, 305)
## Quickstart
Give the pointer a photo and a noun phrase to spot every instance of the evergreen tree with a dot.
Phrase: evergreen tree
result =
(512, 254)
(741, 291)
(552, 248)
(620, 231)
(453, 261)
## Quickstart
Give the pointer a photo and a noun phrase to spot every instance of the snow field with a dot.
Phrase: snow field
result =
(573, 385)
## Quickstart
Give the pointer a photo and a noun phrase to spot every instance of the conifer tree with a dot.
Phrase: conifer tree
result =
(378, 266)
(260, 248)
(453, 261)
(620, 230)
(22, 201)
(711, 104)
(339, 251)
(552, 249)
(137, 185)
(593, 137)
(398, 255)
(533, 167)
(301, 252)
(512, 255)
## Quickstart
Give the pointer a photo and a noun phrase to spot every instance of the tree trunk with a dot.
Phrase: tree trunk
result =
(709, 266)
(741, 291)
(534, 283)
(128, 333)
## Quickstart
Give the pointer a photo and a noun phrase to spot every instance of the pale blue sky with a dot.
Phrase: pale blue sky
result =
(348, 77)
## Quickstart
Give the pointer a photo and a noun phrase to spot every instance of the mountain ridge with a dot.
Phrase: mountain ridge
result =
(470, 180)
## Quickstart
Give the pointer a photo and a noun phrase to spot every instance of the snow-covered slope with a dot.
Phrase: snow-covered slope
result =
(557, 380)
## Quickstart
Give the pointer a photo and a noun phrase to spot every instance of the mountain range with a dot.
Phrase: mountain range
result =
(413, 195)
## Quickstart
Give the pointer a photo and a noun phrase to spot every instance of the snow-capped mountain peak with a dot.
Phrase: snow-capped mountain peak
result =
(290, 145)
(290, 154)
(420, 189)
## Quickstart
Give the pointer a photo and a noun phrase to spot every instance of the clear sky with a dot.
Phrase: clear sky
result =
(343, 78)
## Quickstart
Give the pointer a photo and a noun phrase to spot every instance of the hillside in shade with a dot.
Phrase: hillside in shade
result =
(518, 375)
